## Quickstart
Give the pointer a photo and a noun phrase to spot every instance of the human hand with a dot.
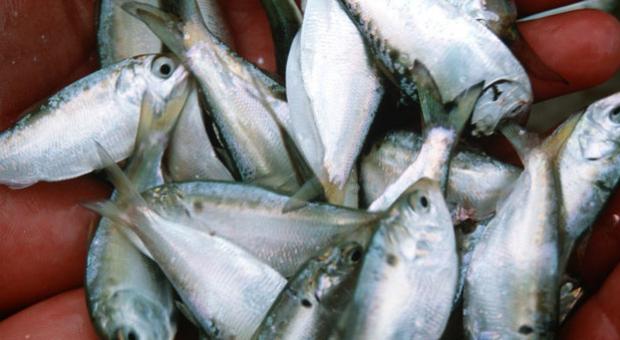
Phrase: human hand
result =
(44, 232)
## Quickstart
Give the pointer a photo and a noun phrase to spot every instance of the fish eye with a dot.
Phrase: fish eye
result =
(163, 67)
(614, 114)
(419, 202)
(355, 255)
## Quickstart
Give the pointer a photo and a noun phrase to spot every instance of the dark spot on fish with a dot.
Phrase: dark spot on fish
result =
(211, 233)
(132, 336)
(525, 330)
(424, 201)
(496, 93)
(316, 296)
(394, 54)
(614, 114)
(306, 303)
(392, 260)
(356, 255)
(198, 206)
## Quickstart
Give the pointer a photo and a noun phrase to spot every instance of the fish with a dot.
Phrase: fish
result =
(251, 217)
(443, 124)
(309, 306)
(458, 51)
(191, 154)
(209, 12)
(120, 36)
(588, 167)
(476, 182)
(249, 129)
(54, 142)
(285, 19)
(127, 295)
(227, 290)
(512, 285)
(333, 53)
(409, 273)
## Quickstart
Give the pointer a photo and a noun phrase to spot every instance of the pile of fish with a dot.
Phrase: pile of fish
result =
(265, 211)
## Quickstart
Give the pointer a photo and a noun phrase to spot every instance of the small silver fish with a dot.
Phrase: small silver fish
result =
(54, 142)
(588, 167)
(512, 285)
(458, 51)
(250, 130)
(408, 278)
(127, 295)
(121, 36)
(252, 217)
(227, 290)
(476, 182)
(309, 306)
(191, 155)
(333, 53)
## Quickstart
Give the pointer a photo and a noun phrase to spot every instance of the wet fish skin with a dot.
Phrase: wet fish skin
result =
(248, 128)
(309, 306)
(127, 295)
(511, 287)
(589, 168)
(252, 217)
(333, 53)
(54, 142)
(408, 278)
(458, 51)
(191, 155)
(121, 36)
(476, 182)
(227, 290)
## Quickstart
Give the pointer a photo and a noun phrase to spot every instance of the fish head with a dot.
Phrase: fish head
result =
(599, 135)
(164, 74)
(337, 265)
(422, 204)
(500, 99)
(130, 316)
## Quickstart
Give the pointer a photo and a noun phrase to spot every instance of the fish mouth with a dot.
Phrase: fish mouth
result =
(127, 333)
(499, 101)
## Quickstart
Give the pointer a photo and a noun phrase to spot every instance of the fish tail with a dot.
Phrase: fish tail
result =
(166, 26)
(437, 112)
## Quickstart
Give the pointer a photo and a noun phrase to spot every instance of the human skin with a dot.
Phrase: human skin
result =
(44, 231)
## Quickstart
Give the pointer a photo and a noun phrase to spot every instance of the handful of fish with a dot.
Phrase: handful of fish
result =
(263, 210)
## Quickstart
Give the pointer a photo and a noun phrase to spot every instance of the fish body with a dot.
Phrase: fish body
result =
(227, 290)
(309, 306)
(511, 287)
(476, 182)
(333, 53)
(458, 51)
(234, 89)
(191, 155)
(55, 142)
(589, 168)
(252, 217)
(121, 36)
(408, 277)
(127, 294)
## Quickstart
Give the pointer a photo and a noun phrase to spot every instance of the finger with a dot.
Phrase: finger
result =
(62, 317)
(251, 32)
(38, 59)
(44, 237)
(582, 46)
(526, 7)
(601, 251)
(599, 317)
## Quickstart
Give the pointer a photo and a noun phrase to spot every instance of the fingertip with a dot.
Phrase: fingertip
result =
(582, 46)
